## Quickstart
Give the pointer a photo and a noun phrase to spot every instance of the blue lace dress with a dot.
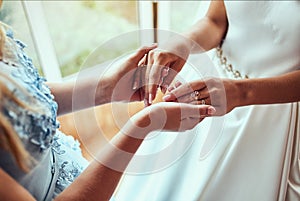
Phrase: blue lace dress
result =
(58, 158)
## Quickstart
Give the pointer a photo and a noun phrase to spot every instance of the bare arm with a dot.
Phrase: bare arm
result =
(280, 89)
(101, 177)
(11, 190)
(97, 182)
(209, 31)
(206, 34)
(64, 93)
(96, 86)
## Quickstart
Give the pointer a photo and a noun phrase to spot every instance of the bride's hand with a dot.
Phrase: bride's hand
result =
(223, 94)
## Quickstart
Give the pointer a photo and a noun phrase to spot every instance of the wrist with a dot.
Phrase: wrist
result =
(141, 124)
(104, 91)
(243, 95)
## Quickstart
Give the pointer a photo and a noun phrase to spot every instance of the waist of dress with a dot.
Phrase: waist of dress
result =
(227, 66)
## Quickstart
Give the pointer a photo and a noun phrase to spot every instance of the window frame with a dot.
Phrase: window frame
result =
(42, 40)
(44, 45)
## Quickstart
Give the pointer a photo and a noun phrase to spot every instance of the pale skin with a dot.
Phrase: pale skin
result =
(99, 181)
(208, 33)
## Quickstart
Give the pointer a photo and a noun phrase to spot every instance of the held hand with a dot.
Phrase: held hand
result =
(171, 117)
(163, 64)
(119, 79)
(223, 94)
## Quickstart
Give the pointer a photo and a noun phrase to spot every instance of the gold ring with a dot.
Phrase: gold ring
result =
(203, 102)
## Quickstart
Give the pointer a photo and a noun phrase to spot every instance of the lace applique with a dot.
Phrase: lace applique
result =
(57, 146)
(31, 126)
(36, 128)
(61, 140)
(68, 172)
(69, 160)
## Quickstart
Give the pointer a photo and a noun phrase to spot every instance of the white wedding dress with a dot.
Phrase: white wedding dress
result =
(250, 154)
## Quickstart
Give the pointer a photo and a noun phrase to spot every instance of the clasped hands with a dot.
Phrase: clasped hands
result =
(148, 69)
(158, 68)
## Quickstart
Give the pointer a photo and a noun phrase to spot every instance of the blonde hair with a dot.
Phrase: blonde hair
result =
(9, 140)
(2, 39)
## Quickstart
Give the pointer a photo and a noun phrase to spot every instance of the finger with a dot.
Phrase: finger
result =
(188, 98)
(158, 60)
(177, 84)
(136, 78)
(184, 89)
(175, 67)
(141, 81)
(155, 80)
(196, 111)
(171, 88)
(164, 73)
(202, 102)
(140, 53)
(146, 85)
(168, 79)
(189, 123)
(143, 61)
(157, 73)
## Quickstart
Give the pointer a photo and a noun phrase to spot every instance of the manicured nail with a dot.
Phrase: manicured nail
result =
(150, 99)
(211, 110)
(134, 85)
(146, 102)
(170, 88)
(166, 97)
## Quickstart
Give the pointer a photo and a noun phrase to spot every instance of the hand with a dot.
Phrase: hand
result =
(163, 65)
(118, 81)
(168, 116)
(223, 94)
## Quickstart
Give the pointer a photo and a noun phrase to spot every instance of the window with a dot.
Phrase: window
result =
(78, 27)
(61, 34)
(183, 14)
(12, 13)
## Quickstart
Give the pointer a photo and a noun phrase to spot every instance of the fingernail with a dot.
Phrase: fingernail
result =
(150, 99)
(211, 110)
(134, 85)
(161, 81)
(145, 102)
(170, 89)
(166, 97)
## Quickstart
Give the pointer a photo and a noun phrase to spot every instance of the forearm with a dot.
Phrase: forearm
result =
(80, 94)
(100, 179)
(279, 89)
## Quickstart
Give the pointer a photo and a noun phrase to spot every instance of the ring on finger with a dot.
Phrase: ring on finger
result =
(196, 95)
(203, 102)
